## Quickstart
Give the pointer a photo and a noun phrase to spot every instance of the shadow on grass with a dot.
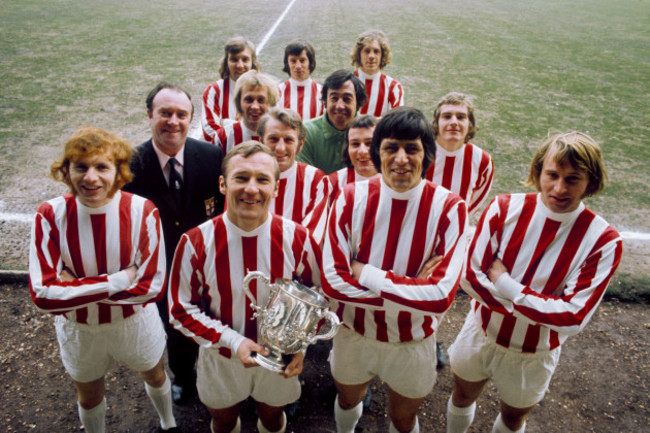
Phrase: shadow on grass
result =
(626, 287)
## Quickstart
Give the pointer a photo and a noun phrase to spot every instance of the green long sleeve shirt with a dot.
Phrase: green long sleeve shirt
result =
(323, 146)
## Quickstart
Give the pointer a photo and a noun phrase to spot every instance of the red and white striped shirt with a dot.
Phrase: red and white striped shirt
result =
(304, 97)
(467, 171)
(302, 198)
(234, 134)
(96, 244)
(218, 104)
(384, 93)
(560, 265)
(395, 234)
(342, 177)
(206, 299)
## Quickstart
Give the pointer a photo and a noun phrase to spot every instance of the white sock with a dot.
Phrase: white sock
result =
(500, 427)
(262, 429)
(94, 420)
(162, 401)
(415, 429)
(237, 428)
(346, 420)
(459, 418)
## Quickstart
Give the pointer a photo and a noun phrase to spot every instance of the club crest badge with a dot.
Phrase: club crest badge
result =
(209, 206)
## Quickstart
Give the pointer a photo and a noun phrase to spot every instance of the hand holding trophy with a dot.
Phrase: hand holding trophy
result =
(289, 322)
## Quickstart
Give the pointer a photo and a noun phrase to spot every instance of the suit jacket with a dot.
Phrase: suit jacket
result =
(202, 199)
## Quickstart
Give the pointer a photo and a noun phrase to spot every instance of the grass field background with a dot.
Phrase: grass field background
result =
(533, 66)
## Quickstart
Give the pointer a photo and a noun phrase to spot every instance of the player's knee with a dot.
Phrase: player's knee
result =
(403, 423)
(514, 418)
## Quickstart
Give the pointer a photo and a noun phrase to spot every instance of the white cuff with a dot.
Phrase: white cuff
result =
(373, 278)
(231, 338)
(508, 287)
(118, 282)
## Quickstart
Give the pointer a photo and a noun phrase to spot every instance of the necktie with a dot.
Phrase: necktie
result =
(175, 182)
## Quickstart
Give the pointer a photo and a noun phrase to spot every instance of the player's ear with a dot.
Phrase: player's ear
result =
(222, 185)
(277, 188)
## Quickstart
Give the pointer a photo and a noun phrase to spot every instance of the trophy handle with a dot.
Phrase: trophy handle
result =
(334, 322)
(246, 282)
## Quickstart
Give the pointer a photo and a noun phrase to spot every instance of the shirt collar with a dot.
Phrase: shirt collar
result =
(163, 158)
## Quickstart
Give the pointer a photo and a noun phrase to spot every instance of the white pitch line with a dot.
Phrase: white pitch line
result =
(268, 35)
(195, 128)
(17, 217)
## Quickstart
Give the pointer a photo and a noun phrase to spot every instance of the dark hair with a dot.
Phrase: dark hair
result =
(165, 85)
(336, 81)
(296, 47)
(359, 122)
(404, 123)
(236, 45)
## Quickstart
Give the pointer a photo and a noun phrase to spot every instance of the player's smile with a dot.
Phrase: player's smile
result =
(239, 63)
(283, 141)
(359, 141)
(92, 178)
(249, 186)
(453, 126)
(370, 57)
(562, 186)
(254, 104)
(341, 105)
(170, 118)
(401, 162)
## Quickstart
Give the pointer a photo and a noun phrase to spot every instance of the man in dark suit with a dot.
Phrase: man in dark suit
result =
(181, 176)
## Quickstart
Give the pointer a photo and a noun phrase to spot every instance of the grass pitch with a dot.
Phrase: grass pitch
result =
(532, 66)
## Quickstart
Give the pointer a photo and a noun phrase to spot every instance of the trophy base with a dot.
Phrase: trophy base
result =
(270, 363)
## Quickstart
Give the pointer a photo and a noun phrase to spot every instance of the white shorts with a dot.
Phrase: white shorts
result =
(407, 368)
(88, 351)
(223, 382)
(522, 379)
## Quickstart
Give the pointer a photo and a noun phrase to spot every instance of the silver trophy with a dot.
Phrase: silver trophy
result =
(289, 322)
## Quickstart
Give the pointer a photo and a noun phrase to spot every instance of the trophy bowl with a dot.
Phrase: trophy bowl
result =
(289, 321)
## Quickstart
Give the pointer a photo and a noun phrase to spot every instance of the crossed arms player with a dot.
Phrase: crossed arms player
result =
(207, 302)
(538, 267)
(97, 262)
(392, 259)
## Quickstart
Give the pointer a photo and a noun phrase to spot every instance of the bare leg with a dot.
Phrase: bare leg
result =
(159, 390)
(348, 406)
(350, 395)
(465, 393)
(514, 417)
(403, 410)
(156, 376)
(90, 394)
(224, 420)
(92, 405)
(271, 417)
